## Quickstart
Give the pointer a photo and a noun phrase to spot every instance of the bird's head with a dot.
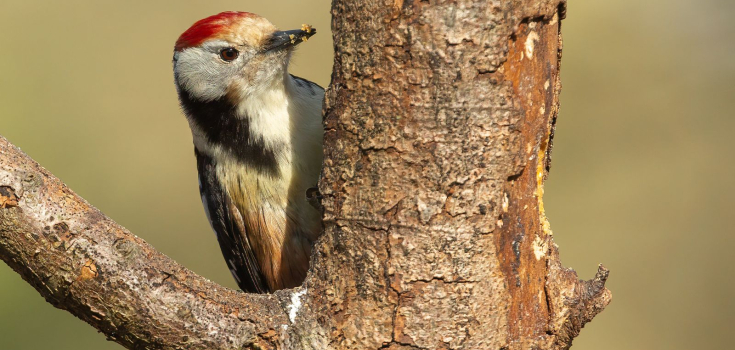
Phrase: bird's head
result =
(233, 55)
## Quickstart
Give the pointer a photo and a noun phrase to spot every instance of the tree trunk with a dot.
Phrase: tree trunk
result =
(439, 123)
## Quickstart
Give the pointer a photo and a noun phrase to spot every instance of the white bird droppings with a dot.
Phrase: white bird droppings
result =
(539, 248)
(293, 309)
(530, 43)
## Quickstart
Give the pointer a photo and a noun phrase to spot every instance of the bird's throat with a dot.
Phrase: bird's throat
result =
(222, 129)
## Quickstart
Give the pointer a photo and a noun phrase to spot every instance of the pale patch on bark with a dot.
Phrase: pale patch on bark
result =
(293, 308)
(530, 43)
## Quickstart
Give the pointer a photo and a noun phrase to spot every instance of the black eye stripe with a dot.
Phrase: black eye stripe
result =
(228, 54)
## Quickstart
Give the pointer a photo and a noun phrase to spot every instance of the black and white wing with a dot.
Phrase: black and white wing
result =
(227, 222)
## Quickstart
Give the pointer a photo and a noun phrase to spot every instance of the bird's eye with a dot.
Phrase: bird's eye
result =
(229, 54)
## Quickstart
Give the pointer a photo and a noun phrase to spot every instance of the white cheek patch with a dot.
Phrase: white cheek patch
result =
(203, 74)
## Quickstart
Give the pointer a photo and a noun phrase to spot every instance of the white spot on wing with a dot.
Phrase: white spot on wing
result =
(206, 211)
(233, 270)
(234, 274)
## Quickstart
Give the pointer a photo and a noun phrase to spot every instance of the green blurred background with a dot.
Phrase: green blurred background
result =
(642, 177)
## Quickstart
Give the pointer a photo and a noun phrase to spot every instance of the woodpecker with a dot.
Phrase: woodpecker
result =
(257, 133)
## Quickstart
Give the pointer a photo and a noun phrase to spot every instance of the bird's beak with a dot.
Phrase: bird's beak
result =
(289, 38)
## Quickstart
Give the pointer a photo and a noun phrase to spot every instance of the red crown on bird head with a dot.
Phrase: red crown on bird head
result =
(208, 28)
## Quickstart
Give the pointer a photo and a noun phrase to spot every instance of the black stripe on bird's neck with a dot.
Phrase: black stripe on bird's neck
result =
(222, 126)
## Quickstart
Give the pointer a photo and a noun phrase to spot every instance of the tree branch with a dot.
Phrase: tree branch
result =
(83, 262)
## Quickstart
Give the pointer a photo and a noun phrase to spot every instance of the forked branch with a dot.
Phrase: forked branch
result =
(83, 262)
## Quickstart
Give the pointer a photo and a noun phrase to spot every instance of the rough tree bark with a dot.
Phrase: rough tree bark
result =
(439, 123)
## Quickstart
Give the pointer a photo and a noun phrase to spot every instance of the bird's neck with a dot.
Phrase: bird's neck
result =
(253, 130)
(266, 112)
(262, 128)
